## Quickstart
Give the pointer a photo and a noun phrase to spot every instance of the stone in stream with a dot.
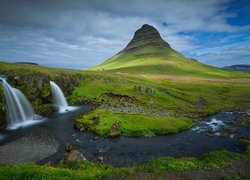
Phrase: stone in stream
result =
(100, 159)
(80, 126)
(73, 156)
(71, 147)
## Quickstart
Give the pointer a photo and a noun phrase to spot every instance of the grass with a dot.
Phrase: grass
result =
(175, 96)
(27, 69)
(89, 170)
(163, 62)
(133, 125)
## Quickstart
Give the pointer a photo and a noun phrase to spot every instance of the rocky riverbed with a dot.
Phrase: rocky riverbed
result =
(32, 147)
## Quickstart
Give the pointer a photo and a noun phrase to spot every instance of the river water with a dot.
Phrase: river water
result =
(124, 151)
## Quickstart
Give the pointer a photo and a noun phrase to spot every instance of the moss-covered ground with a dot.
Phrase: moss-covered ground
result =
(132, 124)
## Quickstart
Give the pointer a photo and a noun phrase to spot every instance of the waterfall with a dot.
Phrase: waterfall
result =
(59, 99)
(18, 109)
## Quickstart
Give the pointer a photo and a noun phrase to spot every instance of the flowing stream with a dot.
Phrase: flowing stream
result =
(124, 151)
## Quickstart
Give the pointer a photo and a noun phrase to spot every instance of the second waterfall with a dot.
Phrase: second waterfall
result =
(59, 99)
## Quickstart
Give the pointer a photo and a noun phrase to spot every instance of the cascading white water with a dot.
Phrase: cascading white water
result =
(18, 108)
(59, 99)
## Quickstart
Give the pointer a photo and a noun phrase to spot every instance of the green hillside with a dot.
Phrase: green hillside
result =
(148, 53)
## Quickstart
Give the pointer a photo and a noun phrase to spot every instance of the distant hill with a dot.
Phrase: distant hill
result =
(239, 67)
(148, 53)
(30, 63)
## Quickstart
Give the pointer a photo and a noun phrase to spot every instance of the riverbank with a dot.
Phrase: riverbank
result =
(219, 164)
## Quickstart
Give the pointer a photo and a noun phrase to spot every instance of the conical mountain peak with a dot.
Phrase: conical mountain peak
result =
(147, 30)
(146, 36)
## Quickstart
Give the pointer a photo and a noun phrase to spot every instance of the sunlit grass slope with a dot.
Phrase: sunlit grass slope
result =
(148, 53)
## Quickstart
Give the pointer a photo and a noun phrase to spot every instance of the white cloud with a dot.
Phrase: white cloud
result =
(88, 32)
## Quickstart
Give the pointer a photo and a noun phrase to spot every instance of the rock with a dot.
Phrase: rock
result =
(80, 126)
(151, 101)
(100, 159)
(231, 130)
(83, 128)
(73, 156)
(95, 119)
(245, 140)
(115, 129)
(210, 133)
(150, 91)
(225, 135)
(49, 163)
(71, 147)
(144, 89)
(85, 99)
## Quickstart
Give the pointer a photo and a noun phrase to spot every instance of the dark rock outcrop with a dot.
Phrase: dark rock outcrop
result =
(145, 36)
(36, 88)
(144, 89)
(71, 147)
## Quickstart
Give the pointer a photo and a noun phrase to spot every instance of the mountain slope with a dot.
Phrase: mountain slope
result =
(148, 53)
(239, 67)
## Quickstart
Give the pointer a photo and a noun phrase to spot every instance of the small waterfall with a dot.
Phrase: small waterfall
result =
(59, 99)
(18, 108)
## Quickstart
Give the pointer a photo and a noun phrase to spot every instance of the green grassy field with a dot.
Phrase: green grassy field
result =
(174, 96)
(179, 66)
(132, 124)
(27, 69)
(178, 98)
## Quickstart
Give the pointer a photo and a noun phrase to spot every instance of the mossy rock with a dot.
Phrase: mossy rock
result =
(115, 129)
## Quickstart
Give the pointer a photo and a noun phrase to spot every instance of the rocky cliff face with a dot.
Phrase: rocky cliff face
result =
(146, 36)
(37, 89)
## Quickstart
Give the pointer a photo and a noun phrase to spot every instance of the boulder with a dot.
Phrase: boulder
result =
(142, 89)
(73, 156)
(100, 159)
(71, 147)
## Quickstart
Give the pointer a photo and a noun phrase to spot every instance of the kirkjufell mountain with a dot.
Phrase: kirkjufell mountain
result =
(149, 53)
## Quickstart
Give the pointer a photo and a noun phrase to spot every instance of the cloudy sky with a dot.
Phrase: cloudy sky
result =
(82, 33)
